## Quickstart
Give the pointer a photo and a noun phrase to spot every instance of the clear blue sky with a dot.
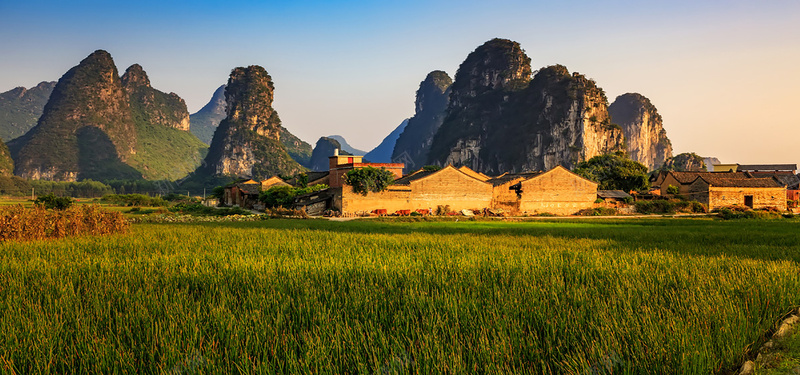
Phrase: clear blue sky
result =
(723, 74)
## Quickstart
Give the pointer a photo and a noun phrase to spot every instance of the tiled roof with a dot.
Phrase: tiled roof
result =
(767, 167)
(612, 194)
(406, 180)
(249, 188)
(741, 182)
(689, 177)
(505, 178)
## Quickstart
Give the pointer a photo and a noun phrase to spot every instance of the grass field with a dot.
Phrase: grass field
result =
(669, 296)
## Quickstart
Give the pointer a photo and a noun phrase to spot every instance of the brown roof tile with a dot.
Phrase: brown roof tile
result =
(741, 182)
(689, 177)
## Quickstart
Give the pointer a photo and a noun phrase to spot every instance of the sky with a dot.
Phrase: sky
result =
(723, 74)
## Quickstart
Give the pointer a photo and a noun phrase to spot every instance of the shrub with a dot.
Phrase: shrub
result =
(673, 190)
(52, 202)
(597, 211)
(442, 210)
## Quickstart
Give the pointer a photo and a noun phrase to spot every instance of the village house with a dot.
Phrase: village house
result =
(614, 198)
(724, 189)
(341, 164)
(682, 180)
(423, 190)
(273, 181)
(557, 191)
(242, 194)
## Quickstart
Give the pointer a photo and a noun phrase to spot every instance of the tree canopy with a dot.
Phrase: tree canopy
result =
(364, 180)
(615, 172)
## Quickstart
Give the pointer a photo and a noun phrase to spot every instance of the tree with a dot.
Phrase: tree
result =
(364, 180)
(52, 202)
(615, 172)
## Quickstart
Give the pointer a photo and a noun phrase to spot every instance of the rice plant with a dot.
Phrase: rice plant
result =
(311, 296)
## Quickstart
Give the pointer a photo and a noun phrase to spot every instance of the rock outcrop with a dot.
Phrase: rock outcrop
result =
(382, 153)
(499, 120)
(645, 137)
(324, 149)
(413, 145)
(687, 161)
(153, 106)
(21, 108)
(6, 163)
(205, 121)
(86, 129)
(248, 141)
(165, 148)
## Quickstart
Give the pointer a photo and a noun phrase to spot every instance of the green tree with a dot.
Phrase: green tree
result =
(52, 202)
(364, 180)
(283, 196)
(615, 172)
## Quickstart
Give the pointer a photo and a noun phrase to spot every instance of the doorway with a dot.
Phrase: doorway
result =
(748, 201)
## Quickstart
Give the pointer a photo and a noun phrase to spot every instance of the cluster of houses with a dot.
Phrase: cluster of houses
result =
(557, 191)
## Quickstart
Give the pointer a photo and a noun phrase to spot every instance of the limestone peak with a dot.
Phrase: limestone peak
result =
(134, 77)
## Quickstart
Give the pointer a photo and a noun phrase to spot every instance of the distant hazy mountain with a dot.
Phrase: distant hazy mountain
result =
(383, 152)
(346, 147)
(21, 108)
(206, 120)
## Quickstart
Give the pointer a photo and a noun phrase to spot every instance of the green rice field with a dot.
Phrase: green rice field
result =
(663, 296)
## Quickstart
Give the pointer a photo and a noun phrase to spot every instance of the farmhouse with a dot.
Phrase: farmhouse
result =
(682, 180)
(720, 190)
(557, 191)
(341, 164)
(423, 190)
(243, 194)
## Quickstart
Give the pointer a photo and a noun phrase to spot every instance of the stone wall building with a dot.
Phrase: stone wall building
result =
(557, 191)
(755, 192)
(682, 180)
(423, 190)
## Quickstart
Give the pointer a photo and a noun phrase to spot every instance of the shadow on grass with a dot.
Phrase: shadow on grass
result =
(751, 239)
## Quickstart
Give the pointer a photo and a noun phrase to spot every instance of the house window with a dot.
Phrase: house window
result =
(748, 201)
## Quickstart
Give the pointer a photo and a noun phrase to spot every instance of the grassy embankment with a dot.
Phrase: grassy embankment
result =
(661, 296)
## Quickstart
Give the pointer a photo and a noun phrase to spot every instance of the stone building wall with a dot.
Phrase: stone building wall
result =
(505, 198)
(392, 199)
(557, 191)
(453, 188)
(762, 197)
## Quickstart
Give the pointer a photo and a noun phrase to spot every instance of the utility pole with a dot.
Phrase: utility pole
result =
(32, 193)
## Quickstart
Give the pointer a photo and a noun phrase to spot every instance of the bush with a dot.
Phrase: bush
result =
(673, 190)
(739, 212)
(597, 211)
(52, 202)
